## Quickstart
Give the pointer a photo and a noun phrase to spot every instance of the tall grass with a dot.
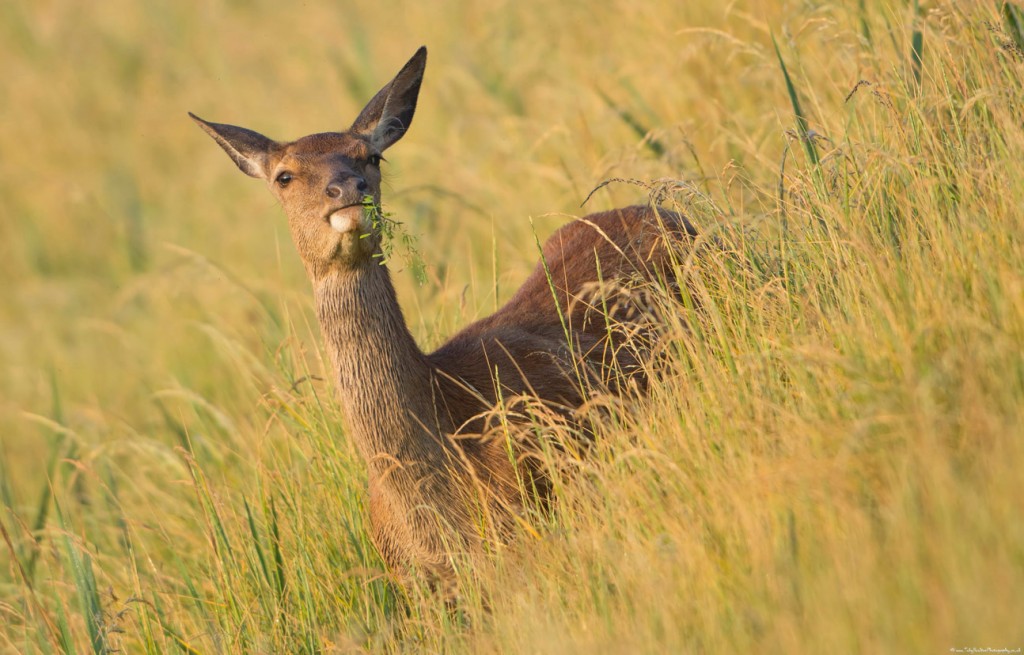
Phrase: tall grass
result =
(830, 459)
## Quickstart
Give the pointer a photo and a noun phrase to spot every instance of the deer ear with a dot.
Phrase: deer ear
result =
(246, 148)
(385, 119)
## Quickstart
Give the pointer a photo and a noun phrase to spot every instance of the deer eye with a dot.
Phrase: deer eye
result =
(283, 179)
(374, 160)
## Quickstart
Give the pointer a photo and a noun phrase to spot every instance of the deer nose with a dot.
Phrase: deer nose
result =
(336, 188)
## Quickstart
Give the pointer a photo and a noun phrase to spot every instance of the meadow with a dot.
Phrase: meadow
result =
(831, 458)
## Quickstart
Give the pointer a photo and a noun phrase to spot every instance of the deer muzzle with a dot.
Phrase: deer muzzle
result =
(347, 219)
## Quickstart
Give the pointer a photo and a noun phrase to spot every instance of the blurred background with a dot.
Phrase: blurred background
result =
(830, 462)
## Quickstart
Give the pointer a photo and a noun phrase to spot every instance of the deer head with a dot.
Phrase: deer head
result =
(329, 183)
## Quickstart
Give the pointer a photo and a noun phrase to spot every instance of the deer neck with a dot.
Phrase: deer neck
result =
(385, 383)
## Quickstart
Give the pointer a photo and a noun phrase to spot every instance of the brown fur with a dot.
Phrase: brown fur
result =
(438, 483)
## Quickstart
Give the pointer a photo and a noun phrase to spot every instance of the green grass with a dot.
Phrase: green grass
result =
(829, 462)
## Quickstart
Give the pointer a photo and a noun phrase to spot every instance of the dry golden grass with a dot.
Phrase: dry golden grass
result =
(831, 461)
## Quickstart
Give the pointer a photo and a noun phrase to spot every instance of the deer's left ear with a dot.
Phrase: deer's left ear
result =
(248, 149)
(388, 115)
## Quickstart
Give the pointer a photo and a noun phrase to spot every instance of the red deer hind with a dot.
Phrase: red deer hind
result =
(433, 469)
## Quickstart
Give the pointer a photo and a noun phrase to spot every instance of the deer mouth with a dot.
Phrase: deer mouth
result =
(346, 219)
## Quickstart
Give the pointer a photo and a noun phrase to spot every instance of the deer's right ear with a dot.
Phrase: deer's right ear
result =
(248, 149)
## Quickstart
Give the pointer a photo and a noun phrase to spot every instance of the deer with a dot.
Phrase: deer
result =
(440, 482)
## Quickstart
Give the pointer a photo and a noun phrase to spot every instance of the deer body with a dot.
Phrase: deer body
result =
(437, 483)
